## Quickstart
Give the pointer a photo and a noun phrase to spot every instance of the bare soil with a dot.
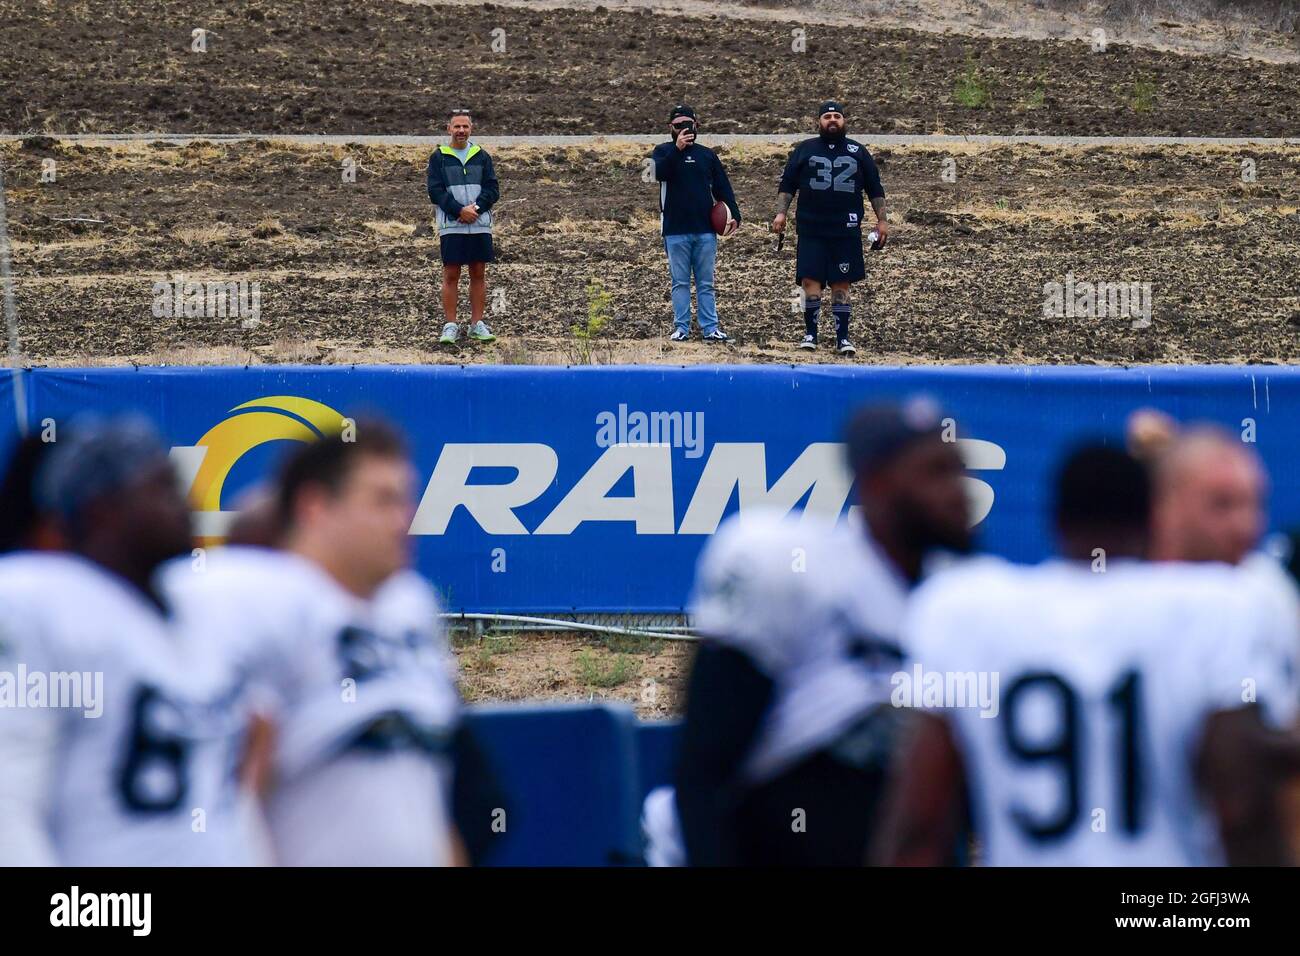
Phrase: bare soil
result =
(344, 277)
(1267, 30)
(381, 66)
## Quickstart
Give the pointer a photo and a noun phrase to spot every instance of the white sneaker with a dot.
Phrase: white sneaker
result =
(479, 332)
(450, 333)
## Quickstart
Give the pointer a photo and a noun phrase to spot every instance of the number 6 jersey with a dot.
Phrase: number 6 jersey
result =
(129, 756)
(361, 692)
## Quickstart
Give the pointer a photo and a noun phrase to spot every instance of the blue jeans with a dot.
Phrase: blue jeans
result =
(686, 254)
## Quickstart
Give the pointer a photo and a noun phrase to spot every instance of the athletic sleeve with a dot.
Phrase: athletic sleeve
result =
(727, 698)
(28, 742)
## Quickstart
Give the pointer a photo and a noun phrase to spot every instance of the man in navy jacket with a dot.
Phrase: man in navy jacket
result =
(691, 179)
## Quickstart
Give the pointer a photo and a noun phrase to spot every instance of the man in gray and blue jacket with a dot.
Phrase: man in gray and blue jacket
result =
(463, 187)
(691, 179)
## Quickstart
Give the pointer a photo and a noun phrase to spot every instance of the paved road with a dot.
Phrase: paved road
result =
(882, 139)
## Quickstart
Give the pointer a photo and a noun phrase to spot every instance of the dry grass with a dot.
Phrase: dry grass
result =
(391, 229)
(205, 235)
(647, 674)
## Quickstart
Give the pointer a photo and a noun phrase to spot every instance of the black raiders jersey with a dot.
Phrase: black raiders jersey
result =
(830, 178)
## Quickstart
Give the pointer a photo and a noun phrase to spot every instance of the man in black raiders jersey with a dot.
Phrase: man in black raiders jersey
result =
(830, 172)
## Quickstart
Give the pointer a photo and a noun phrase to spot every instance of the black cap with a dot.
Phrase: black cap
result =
(878, 432)
(681, 109)
(830, 106)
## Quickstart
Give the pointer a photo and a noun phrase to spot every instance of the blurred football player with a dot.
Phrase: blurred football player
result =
(1142, 714)
(1210, 492)
(1210, 505)
(830, 173)
(357, 675)
(788, 730)
(135, 764)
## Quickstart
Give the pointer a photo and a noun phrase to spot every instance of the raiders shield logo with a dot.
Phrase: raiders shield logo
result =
(844, 267)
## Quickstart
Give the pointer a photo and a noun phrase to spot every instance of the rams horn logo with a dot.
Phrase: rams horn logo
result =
(207, 464)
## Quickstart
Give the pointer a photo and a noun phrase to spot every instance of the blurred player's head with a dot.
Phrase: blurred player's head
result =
(346, 502)
(23, 524)
(1210, 491)
(909, 479)
(1150, 433)
(459, 126)
(257, 520)
(113, 494)
(1103, 501)
(830, 120)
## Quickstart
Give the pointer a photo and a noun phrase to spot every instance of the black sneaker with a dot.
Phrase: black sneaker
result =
(679, 336)
(809, 342)
(845, 347)
(717, 335)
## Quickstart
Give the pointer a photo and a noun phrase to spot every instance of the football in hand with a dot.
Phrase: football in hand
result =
(723, 224)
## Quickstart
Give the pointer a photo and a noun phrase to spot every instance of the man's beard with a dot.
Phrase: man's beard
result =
(927, 534)
(835, 136)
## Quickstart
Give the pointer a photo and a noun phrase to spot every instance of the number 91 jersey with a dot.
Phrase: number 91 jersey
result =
(830, 178)
(1102, 683)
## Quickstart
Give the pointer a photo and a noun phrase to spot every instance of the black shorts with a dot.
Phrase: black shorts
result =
(828, 259)
(459, 249)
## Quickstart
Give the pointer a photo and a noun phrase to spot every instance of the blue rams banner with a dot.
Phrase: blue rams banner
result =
(12, 410)
(593, 489)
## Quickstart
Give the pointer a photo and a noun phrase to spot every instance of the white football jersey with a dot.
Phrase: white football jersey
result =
(661, 828)
(1278, 592)
(362, 694)
(142, 770)
(817, 608)
(1100, 685)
